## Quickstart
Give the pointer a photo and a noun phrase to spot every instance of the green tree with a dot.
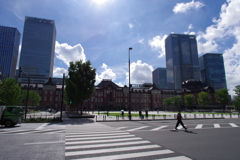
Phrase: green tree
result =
(222, 97)
(167, 102)
(33, 98)
(79, 83)
(189, 100)
(177, 101)
(236, 102)
(237, 90)
(10, 92)
(203, 98)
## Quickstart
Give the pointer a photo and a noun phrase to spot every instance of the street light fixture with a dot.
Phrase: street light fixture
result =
(19, 75)
(129, 86)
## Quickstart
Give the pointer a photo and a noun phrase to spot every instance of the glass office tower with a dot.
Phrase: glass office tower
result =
(38, 47)
(181, 59)
(159, 77)
(212, 70)
(9, 45)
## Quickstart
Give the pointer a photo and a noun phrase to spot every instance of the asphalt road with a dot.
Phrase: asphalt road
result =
(208, 142)
(205, 139)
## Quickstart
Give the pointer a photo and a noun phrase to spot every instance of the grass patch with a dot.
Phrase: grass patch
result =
(132, 114)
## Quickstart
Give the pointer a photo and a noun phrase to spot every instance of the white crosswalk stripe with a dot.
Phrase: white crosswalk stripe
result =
(233, 125)
(217, 126)
(45, 131)
(199, 126)
(113, 145)
(134, 129)
(158, 128)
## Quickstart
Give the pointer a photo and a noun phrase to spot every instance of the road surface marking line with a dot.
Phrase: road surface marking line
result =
(134, 129)
(120, 127)
(175, 158)
(199, 126)
(98, 151)
(179, 127)
(130, 155)
(87, 133)
(44, 142)
(103, 141)
(217, 126)
(158, 128)
(106, 145)
(91, 135)
(99, 137)
(55, 132)
(42, 126)
(233, 125)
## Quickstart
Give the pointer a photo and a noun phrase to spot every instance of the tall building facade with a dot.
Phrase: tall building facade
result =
(9, 45)
(181, 59)
(159, 77)
(38, 47)
(212, 70)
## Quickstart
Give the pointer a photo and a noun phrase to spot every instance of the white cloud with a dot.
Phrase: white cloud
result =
(228, 25)
(141, 41)
(130, 25)
(140, 72)
(184, 7)
(106, 74)
(58, 72)
(158, 43)
(68, 53)
(190, 26)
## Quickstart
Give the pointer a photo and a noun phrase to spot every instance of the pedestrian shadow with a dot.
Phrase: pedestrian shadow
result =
(186, 131)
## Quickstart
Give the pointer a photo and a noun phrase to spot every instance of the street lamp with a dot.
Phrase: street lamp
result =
(62, 96)
(129, 85)
(20, 70)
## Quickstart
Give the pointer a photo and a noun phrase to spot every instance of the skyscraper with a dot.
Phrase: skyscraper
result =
(212, 70)
(38, 47)
(9, 44)
(181, 59)
(159, 77)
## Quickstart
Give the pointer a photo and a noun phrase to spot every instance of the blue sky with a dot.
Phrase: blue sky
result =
(102, 31)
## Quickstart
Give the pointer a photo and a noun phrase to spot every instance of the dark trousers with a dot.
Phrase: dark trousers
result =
(180, 121)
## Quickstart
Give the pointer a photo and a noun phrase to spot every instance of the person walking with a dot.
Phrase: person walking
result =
(179, 120)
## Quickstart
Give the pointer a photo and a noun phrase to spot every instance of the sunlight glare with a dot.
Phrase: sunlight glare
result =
(100, 2)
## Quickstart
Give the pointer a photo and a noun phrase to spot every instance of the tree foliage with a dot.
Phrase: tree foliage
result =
(33, 98)
(203, 98)
(189, 100)
(222, 96)
(237, 90)
(79, 83)
(10, 92)
(167, 102)
(236, 102)
(177, 101)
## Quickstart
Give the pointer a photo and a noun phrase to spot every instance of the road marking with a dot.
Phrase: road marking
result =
(42, 126)
(134, 129)
(91, 135)
(103, 141)
(106, 145)
(175, 158)
(233, 125)
(121, 127)
(44, 142)
(130, 155)
(199, 126)
(179, 127)
(120, 149)
(217, 126)
(87, 133)
(92, 138)
(155, 129)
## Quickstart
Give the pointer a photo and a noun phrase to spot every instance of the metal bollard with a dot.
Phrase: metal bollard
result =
(230, 115)
(222, 115)
(213, 115)
(195, 116)
(204, 115)
(185, 116)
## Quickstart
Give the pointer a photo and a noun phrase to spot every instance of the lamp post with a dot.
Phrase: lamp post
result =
(20, 70)
(129, 85)
(62, 97)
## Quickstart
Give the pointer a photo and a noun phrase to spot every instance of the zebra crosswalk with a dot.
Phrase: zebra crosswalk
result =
(164, 127)
(45, 131)
(114, 144)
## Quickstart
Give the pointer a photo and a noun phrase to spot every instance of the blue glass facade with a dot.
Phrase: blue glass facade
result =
(9, 45)
(181, 59)
(212, 70)
(159, 77)
(38, 47)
